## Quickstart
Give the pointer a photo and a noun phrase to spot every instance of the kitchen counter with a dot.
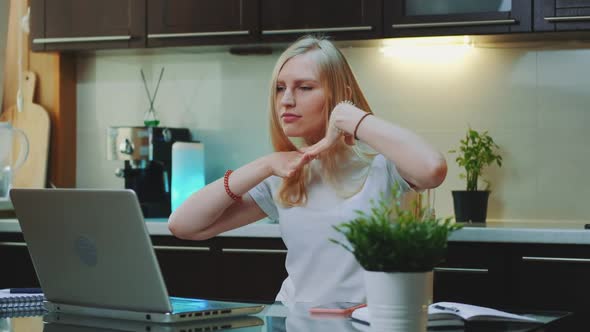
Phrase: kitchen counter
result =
(549, 232)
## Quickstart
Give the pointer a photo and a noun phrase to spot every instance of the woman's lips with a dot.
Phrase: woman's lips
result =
(288, 118)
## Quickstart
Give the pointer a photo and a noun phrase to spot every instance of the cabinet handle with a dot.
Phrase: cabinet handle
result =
(186, 248)
(13, 244)
(452, 24)
(197, 34)
(254, 251)
(459, 270)
(79, 39)
(554, 19)
(555, 259)
(334, 29)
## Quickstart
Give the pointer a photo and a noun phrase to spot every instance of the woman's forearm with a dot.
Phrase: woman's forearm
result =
(416, 160)
(203, 208)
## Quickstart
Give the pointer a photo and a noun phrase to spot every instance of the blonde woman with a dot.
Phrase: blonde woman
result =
(332, 156)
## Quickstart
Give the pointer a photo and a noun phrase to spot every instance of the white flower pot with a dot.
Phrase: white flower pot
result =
(398, 301)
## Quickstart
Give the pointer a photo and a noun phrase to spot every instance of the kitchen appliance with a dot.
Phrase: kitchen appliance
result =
(147, 153)
(7, 167)
(188, 165)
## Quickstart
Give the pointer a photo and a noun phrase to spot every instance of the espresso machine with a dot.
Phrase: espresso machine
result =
(147, 153)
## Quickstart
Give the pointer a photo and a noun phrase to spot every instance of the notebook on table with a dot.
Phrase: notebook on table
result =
(93, 256)
(11, 300)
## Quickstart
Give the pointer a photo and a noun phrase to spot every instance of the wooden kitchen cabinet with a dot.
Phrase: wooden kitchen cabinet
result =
(17, 266)
(562, 15)
(198, 22)
(251, 269)
(473, 273)
(416, 18)
(550, 277)
(222, 268)
(87, 24)
(188, 267)
(341, 19)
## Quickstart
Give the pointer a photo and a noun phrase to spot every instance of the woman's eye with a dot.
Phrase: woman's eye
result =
(280, 88)
(306, 88)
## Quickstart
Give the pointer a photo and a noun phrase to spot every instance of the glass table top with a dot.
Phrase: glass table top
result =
(274, 318)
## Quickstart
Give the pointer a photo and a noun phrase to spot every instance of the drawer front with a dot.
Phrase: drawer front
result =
(472, 273)
(434, 18)
(197, 22)
(562, 15)
(19, 270)
(551, 278)
(348, 19)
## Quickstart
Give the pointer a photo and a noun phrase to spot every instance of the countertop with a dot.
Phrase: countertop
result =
(545, 232)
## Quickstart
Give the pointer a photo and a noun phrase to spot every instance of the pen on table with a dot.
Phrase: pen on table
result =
(440, 307)
(25, 290)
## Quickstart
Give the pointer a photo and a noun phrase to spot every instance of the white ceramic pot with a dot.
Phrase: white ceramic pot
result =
(398, 301)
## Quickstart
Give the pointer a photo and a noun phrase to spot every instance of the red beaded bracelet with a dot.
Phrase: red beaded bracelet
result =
(226, 185)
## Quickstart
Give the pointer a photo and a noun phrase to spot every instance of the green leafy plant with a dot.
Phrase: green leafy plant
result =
(393, 239)
(476, 151)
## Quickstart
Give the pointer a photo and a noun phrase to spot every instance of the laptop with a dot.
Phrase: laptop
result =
(93, 256)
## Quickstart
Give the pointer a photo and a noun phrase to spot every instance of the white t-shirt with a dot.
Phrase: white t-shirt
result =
(319, 270)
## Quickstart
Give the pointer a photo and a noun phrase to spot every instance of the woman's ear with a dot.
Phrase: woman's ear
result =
(348, 93)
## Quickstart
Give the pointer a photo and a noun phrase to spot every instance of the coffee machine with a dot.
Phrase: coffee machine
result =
(147, 153)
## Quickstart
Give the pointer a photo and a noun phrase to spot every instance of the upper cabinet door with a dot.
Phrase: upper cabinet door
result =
(87, 24)
(456, 17)
(284, 20)
(562, 15)
(196, 22)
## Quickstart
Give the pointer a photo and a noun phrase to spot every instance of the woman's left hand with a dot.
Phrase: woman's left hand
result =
(334, 133)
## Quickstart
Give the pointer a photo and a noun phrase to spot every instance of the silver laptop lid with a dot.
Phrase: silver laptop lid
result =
(91, 248)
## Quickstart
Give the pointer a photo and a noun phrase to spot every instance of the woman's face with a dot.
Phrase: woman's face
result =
(300, 98)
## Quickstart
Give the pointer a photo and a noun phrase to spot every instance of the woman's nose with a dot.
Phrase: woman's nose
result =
(287, 98)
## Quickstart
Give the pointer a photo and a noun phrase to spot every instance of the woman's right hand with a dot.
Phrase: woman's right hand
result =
(285, 164)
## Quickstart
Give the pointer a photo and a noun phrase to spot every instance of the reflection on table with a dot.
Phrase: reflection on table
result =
(275, 318)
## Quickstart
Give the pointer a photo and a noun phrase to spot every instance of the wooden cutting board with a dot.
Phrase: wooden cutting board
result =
(34, 122)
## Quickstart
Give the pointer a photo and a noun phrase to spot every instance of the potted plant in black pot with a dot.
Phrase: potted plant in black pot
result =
(476, 151)
(398, 248)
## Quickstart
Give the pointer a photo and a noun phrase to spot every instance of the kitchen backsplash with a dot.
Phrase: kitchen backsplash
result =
(535, 103)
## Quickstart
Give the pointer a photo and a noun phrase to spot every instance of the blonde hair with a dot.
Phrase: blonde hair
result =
(337, 78)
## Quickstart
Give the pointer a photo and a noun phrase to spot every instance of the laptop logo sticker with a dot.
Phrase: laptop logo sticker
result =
(86, 250)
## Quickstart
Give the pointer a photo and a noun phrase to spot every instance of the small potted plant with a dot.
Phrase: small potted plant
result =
(398, 249)
(476, 151)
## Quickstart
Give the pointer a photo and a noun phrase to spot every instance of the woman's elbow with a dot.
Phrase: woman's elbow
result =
(437, 172)
(176, 228)
(434, 174)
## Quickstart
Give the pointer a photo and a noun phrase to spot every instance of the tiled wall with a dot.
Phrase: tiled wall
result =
(535, 102)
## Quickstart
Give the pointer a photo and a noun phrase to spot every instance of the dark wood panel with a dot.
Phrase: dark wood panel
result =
(18, 268)
(552, 8)
(252, 277)
(473, 273)
(574, 25)
(251, 269)
(542, 9)
(212, 20)
(571, 3)
(394, 14)
(320, 17)
(89, 18)
(189, 274)
(37, 24)
(545, 277)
